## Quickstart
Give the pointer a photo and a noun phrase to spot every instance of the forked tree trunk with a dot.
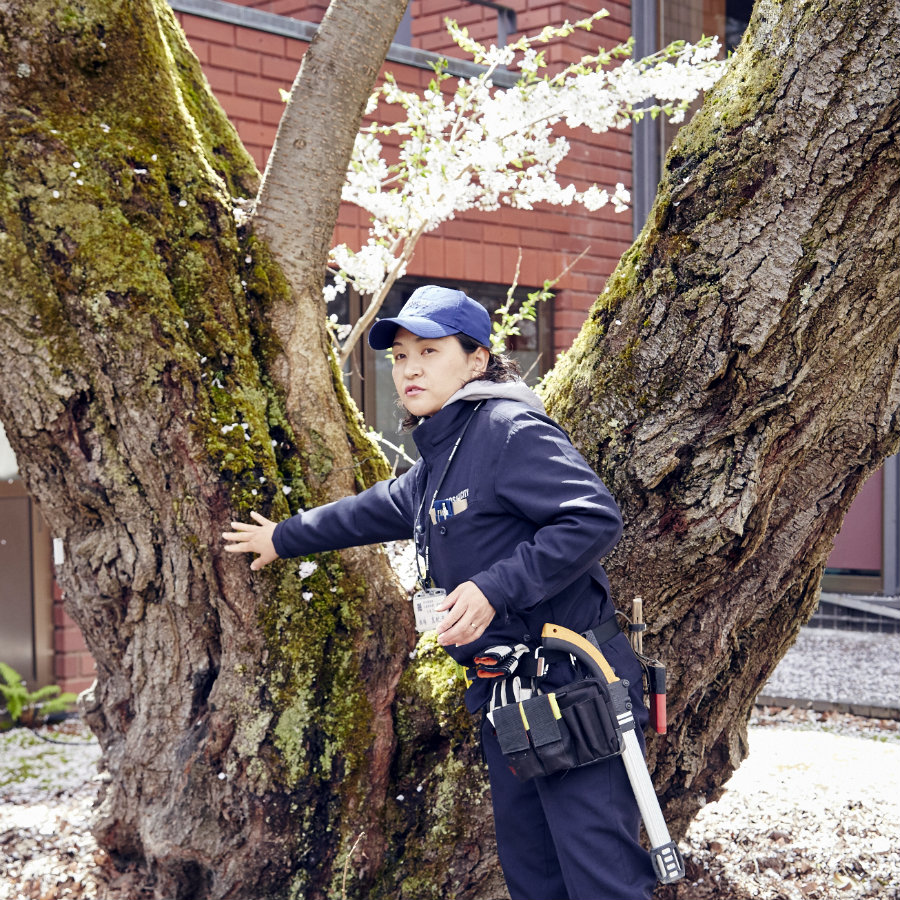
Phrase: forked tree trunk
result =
(739, 378)
(734, 386)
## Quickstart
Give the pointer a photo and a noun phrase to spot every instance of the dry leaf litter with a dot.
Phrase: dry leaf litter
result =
(812, 814)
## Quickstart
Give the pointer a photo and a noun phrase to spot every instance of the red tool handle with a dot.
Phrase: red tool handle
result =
(658, 713)
(656, 673)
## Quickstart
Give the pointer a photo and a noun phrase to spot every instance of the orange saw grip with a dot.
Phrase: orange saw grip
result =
(560, 636)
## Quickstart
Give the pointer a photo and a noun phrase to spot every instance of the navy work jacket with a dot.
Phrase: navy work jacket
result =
(526, 519)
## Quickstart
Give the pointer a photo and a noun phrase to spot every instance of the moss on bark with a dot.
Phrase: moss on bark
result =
(138, 308)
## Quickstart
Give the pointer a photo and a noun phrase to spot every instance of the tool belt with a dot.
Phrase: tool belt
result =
(573, 726)
(544, 733)
(502, 660)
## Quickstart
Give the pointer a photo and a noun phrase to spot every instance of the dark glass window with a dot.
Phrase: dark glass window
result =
(737, 17)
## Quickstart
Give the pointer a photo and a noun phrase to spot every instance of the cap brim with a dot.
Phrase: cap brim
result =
(381, 334)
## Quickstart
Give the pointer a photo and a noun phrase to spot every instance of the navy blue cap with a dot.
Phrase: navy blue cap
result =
(432, 312)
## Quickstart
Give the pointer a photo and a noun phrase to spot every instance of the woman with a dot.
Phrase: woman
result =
(511, 521)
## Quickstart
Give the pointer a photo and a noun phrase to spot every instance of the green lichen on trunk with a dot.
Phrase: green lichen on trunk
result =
(314, 669)
(117, 206)
(441, 783)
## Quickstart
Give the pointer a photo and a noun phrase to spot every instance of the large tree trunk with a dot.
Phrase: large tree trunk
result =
(739, 379)
(735, 385)
(154, 387)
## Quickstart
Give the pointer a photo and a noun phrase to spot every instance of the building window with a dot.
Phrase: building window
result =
(404, 29)
(737, 18)
(9, 468)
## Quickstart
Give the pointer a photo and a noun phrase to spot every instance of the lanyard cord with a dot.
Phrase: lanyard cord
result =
(426, 580)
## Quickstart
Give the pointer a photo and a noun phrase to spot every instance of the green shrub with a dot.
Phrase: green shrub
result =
(30, 708)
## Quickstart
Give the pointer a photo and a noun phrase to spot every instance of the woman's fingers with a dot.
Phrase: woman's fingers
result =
(469, 614)
(241, 538)
(264, 558)
(252, 538)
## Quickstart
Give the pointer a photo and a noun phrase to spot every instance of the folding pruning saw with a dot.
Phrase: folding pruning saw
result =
(667, 859)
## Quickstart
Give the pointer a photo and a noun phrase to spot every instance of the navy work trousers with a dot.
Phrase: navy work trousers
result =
(574, 835)
(571, 836)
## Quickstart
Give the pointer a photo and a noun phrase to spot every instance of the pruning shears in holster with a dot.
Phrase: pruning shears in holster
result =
(667, 860)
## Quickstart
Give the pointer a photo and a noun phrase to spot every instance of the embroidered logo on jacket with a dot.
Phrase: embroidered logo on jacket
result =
(452, 506)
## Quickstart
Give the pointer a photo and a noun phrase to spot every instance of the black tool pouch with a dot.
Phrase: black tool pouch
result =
(573, 726)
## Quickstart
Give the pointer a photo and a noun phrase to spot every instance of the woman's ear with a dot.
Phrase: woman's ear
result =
(480, 359)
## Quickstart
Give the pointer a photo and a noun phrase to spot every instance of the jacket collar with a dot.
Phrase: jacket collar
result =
(434, 434)
(437, 433)
(502, 390)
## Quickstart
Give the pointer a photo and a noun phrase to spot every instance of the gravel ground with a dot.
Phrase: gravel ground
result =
(853, 671)
(812, 814)
(46, 794)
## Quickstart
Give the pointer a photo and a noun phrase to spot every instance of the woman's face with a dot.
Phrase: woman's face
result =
(428, 371)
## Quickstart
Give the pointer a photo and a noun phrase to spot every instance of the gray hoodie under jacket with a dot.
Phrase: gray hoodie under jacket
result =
(520, 513)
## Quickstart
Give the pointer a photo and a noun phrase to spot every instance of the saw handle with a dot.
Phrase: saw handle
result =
(666, 858)
(555, 637)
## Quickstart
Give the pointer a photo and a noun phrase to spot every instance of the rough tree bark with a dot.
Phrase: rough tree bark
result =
(735, 385)
(154, 386)
(297, 207)
(739, 379)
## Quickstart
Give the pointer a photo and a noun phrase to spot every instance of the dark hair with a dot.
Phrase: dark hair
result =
(499, 368)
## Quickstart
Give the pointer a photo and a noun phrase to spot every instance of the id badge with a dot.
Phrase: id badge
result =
(425, 604)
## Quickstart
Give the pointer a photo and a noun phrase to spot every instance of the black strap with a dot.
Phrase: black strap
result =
(606, 631)
(426, 580)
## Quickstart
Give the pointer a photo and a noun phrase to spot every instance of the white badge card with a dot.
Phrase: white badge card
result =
(425, 604)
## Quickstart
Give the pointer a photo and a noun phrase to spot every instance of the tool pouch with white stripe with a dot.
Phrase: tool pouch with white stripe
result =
(573, 726)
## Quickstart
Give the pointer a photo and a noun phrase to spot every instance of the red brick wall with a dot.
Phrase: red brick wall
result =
(246, 68)
(73, 666)
(310, 11)
(430, 33)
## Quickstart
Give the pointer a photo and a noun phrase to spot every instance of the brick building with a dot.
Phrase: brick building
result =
(249, 49)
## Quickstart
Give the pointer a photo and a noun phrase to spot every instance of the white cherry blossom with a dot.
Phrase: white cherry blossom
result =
(480, 146)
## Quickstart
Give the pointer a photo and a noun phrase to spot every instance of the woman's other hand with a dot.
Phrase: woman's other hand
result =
(247, 538)
(469, 615)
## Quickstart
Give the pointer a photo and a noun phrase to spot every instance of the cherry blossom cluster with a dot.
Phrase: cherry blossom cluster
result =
(479, 146)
